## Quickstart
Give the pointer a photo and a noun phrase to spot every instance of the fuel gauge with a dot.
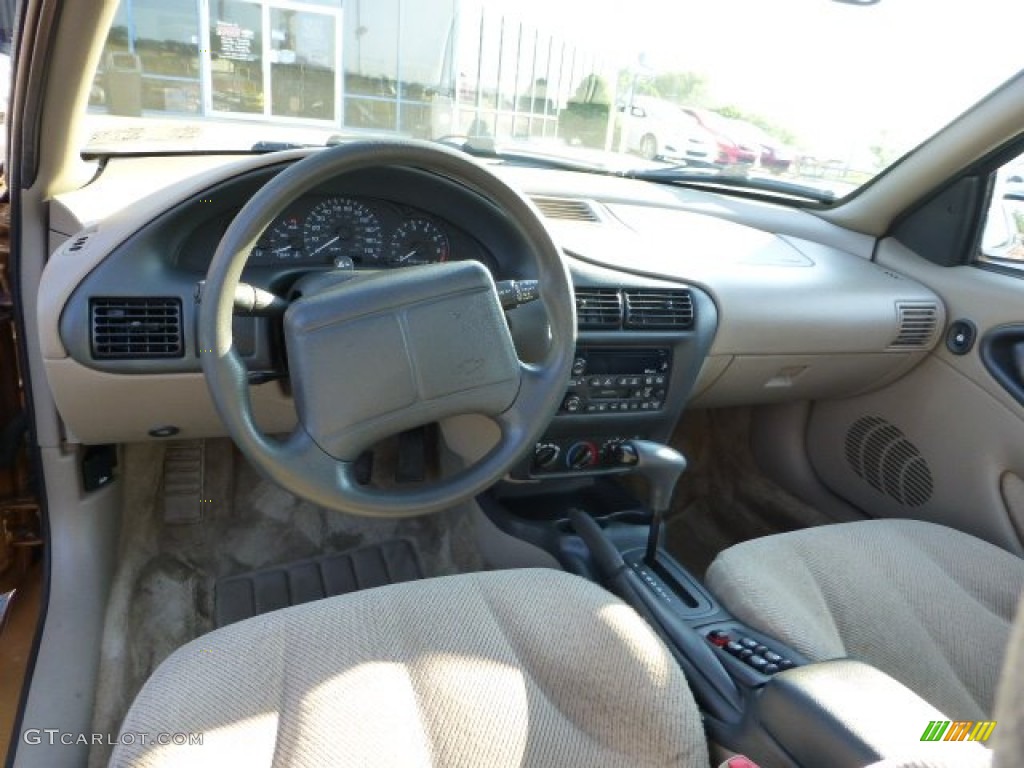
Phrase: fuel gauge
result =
(417, 241)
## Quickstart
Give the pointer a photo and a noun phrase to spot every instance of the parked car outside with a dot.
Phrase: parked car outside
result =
(775, 155)
(656, 128)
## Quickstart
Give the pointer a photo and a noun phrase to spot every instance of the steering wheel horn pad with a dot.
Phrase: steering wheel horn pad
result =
(390, 351)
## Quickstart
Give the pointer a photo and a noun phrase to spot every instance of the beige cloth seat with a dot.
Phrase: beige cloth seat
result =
(531, 668)
(928, 605)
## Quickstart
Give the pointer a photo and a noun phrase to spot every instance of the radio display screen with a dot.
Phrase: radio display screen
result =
(607, 361)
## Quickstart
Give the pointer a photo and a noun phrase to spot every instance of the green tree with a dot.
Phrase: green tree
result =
(684, 88)
(772, 129)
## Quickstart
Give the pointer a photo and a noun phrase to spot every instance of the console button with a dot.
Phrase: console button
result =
(745, 654)
(748, 642)
(770, 669)
(733, 647)
(718, 637)
(761, 650)
(786, 664)
(757, 662)
(773, 657)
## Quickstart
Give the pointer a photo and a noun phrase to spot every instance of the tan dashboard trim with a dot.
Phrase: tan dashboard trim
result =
(102, 407)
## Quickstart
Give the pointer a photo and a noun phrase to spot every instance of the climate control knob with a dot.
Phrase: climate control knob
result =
(581, 455)
(545, 455)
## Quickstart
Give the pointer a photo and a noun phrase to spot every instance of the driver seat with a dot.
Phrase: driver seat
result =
(506, 668)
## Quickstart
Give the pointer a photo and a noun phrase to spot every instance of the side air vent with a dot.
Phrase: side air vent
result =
(598, 308)
(566, 208)
(658, 310)
(136, 329)
(917, 324)
(881, 455)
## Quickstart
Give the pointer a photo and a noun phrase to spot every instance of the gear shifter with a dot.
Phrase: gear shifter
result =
(662, 466)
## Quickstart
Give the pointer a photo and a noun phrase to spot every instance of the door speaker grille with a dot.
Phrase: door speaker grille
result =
(881, 455)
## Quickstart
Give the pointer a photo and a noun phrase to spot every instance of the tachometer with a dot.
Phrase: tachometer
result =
(343, 228)
(417, 241)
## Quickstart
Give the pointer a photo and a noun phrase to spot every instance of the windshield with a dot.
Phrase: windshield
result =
(821, 93)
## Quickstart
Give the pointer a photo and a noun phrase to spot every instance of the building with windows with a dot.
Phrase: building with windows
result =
(424, 68)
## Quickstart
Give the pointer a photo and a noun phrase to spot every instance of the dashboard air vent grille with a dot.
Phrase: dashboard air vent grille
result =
(136, 328)
(598, 308)
(566, 208)
(917, 324)
(654, 309)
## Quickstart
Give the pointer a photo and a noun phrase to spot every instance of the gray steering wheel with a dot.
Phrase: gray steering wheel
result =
(384, 352)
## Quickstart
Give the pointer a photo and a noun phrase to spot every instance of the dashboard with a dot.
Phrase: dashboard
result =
(765, 303)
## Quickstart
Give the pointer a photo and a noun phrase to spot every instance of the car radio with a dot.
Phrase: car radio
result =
(615, 380)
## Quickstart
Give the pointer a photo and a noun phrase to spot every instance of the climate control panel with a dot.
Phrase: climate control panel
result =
(607, 380)
(572, 454)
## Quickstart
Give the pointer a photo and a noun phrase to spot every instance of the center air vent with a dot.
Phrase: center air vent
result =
(136, 329)
(598, 308)
(566, 208)
(917, 324)
(654, 309)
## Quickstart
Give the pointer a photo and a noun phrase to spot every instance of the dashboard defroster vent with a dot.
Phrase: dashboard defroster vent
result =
(566, 208)
(598, 308)
(136, 328)
(658, 310)
(916, 325)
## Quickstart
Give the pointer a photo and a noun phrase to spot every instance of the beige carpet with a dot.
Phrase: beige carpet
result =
(724, 498)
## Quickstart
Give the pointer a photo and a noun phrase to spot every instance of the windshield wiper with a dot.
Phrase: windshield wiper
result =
(686, 177)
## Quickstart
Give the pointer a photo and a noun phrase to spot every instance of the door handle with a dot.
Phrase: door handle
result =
(1002, 352)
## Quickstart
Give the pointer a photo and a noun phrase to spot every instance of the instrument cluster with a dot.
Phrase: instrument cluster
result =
(352, 233)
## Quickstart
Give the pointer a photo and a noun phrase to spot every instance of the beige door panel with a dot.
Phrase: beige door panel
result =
(944, 443)
(933, 446)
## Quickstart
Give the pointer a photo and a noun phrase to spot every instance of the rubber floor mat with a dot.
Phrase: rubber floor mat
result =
(250, 594)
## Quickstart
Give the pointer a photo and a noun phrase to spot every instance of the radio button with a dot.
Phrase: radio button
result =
(659, 379)
(595, 381)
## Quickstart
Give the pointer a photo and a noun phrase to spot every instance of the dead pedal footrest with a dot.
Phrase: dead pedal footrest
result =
(250, 594)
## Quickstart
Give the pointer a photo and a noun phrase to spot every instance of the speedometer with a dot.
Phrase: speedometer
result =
(340, 228)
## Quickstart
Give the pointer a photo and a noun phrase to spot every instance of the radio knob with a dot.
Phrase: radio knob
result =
(545, 455)
(581, 455)
(579, 366)
(573, 404)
